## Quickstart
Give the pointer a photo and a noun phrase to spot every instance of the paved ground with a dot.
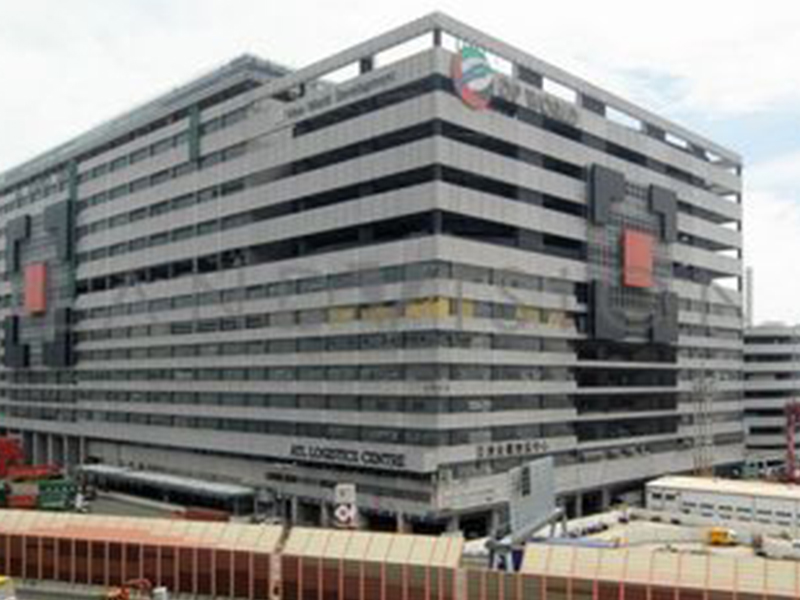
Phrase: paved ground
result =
(121, 506)
(54, 595)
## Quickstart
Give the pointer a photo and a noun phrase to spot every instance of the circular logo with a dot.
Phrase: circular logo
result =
(473, 77)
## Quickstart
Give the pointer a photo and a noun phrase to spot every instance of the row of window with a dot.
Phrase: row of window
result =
(423, 308)
(164, 145)
(55, 179)
(709, 353)
(155, 179)
(262, 177)
(378, 435)
(336, 402)
(518, 112)
(439, 404)
(709, 308)
(370, 188)
(292, 283)
(739, 513)
(708, 331)
(377, 373)
(418, 225)
(390, 341)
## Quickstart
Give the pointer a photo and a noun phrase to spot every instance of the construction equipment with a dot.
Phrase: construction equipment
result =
(141, 588)
(11, 454)
(31, 486)
(704, 389)
(721, 536)
(792, 473)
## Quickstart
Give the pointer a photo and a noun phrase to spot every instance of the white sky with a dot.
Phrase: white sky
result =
(724, 68)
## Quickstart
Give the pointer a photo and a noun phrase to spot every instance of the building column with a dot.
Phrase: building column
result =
(605, 501)
(403, 524)
(39, 448)
(324, 515)
(453, 524)
(28, 445)
(578, 505)
(494, 521)
(50, 450)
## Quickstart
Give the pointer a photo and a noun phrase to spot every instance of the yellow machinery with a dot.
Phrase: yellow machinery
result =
(721, 536)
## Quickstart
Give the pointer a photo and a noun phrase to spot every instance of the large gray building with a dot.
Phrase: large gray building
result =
(772, 380)
(410, 266)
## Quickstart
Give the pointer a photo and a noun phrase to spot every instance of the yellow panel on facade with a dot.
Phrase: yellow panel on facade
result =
(342, 314)
(379, 312)
(557, 318)
(530, 314)
(428, 308)
(465, 308)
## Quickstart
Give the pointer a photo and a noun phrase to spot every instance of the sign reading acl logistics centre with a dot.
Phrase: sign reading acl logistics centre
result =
(366, 458)
(476, 83)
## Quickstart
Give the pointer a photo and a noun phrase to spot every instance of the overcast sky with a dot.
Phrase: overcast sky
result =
(727, 69)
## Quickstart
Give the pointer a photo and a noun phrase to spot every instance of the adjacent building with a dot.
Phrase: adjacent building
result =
(410, 266)
(772, 380)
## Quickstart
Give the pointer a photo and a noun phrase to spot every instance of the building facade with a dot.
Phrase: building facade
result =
(772, 380)
(410, 266)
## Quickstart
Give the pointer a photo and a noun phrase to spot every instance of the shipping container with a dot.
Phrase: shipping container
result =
(22, 501)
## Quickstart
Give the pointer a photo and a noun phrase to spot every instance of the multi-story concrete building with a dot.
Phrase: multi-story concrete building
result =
(772, 380)
(410, 266)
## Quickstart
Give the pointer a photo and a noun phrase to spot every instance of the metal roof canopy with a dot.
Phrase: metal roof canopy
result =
(142, 530)
(660, 567)
(390, 548)
(200, 487)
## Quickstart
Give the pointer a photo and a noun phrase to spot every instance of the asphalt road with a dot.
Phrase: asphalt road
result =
(53, 595)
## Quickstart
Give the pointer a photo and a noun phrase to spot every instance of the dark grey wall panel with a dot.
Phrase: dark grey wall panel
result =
(665, 320)
(58, 222)
(664, 203)
(17, 231)
(58, 353)
(607, 322)
(606, 186)
(15, 355)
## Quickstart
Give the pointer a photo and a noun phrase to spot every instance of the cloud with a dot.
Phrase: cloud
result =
(772, 237)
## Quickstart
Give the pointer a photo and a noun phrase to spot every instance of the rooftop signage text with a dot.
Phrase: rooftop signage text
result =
(340, 94)
(476, 82)
(366, 458)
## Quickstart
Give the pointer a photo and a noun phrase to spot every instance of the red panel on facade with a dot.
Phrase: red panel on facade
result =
(637, 253)
(36, 288)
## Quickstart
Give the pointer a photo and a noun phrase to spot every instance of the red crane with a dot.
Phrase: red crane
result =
(11, 455)
(792, 421)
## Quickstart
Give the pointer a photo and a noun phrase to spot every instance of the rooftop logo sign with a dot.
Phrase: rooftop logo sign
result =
(473, 77)
(476, 82)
